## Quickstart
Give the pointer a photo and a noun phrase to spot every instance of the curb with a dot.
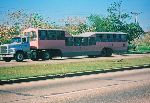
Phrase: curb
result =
(37, 78)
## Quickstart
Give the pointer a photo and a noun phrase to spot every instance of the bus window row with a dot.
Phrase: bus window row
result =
(80, 41)
(51, 35)
(111, 38)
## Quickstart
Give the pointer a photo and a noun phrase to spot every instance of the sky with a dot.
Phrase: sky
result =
(59, 9)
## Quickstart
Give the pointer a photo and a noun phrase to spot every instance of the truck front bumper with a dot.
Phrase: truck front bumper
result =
(6, 55)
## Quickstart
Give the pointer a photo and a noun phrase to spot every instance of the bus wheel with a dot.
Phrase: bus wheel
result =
(46, 55)
(34, 56)
(109, 52)
(91, 56)
(6, 59)
(106, 52)
(19, 57)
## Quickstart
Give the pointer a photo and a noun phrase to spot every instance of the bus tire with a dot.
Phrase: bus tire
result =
(91, 56)
(6, 59)
(46, 55)
(34, 56)
(109, 52)
(106, 52)
(19, 56)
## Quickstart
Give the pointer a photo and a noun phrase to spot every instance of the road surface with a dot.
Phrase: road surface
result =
(131, 86)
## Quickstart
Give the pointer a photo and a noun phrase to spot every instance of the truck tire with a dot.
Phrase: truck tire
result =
(46, 55)
(6, 59)
(19, 56)
(34, 56)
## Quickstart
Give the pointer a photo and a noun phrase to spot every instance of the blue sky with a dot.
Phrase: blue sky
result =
(58, 9)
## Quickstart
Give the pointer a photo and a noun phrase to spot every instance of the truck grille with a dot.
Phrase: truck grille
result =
(3, 49)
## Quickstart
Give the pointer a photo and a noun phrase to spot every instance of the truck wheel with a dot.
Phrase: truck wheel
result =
(46, 55)
(19, 57)
(7, 59)
(34, 56)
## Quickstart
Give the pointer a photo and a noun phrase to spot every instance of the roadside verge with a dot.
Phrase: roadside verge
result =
(37, 78)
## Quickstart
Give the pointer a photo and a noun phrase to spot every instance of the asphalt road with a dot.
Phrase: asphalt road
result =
(117, 87)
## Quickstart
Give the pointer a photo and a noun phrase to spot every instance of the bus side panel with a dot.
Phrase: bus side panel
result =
(34, 44)
(51, 44)
(115, 46)
(81, 50)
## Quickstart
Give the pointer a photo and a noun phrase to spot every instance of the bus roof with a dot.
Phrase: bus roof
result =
(52, 29)
(33, 29)
(88, 34)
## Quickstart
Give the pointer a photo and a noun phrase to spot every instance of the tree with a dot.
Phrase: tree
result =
(19, 20)
(142, 43)
(26, 20)
(75, 25)
(116, 21)
(133, 30)
(100, 24)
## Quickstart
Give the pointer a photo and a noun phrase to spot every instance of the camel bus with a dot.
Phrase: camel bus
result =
(48, 43)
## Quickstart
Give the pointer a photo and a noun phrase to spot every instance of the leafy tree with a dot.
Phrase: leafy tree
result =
(116, 21)
(142, 43)
(75, 25)
(18, 21)
(133, 30)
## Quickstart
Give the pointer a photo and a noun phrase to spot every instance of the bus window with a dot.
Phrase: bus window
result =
(114, 38)
(99, 37)
(33, 36)
(69, 41)
(123, 38)
(104, 38)
(77, 41)
(84, 41)
(110, 38)
(92, 41)
(118, 38)
(60, 35)
(42, 35)
(51, 35)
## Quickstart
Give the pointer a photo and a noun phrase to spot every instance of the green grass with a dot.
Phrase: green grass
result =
(48, 69)
(140, 50)
(143, 49)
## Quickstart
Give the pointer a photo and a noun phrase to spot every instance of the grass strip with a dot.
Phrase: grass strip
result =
(53, 69)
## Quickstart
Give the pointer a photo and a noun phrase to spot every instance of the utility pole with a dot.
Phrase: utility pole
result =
(136, 16)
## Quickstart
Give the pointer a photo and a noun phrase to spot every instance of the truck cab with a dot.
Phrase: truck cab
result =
(18, 49)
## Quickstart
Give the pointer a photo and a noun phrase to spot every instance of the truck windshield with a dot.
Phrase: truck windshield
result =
(16, 40)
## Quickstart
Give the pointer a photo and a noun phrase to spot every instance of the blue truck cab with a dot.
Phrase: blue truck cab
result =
(18, 49)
